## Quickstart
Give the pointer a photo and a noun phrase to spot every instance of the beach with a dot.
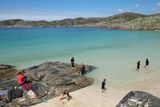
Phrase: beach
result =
(115, 53)
(92, 97)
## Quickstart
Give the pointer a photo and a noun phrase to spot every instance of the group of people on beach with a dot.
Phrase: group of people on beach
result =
(66, 94)
(27, 86)
(139, 63)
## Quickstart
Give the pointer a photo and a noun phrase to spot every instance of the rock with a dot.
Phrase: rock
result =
(7, 72)
(139, 99)
(4, 67)
(83, 81)
(49, 79)
(41, 89)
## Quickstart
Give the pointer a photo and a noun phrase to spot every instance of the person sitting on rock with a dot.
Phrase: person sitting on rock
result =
(21, 78)
(24, 83)
(66, 95)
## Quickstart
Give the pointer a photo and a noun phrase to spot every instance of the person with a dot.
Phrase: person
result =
(66, 95)
(103, 86)
(138, 65)
(72, 62)
(24, 83)
(147, 62)
(83, 69)
(21, 78)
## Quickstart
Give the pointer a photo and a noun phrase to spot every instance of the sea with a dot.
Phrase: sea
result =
(115, 53)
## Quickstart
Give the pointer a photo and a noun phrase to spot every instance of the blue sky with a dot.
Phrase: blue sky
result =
(60, 9)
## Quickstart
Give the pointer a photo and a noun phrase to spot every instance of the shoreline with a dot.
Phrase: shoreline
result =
(103, 28)
(92, 95)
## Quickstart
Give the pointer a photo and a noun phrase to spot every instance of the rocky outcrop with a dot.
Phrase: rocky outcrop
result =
(50, 80)
(139, 99)
(56, 75)
(7, 72)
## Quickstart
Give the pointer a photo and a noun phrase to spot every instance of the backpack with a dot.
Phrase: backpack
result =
(15, 93)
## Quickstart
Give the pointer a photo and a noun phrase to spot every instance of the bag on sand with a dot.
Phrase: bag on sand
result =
(31, 94)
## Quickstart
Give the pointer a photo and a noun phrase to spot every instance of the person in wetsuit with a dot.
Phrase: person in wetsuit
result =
(138, 65)
(103, 86)
(147, 62)
(72, 62)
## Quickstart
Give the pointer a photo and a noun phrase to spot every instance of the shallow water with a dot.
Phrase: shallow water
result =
(114, 52)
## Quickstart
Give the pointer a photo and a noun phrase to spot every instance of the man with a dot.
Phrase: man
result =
(138, 65)
(72, 62)
(147, 62)
(103, 86)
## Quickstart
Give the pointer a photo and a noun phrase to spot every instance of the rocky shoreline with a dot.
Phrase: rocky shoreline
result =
(51, 78)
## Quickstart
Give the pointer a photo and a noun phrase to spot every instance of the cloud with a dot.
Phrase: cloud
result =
(137, 5)
(158, 4)
(120, 11)
(156, 9)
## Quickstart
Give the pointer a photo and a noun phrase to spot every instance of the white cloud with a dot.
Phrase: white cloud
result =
(120, 11)
(137, 5)
(158, 4)
(156, 9)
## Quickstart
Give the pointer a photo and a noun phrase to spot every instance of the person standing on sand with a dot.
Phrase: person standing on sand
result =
(72, 62)
(147, 62)
(103, 86)
(138, 65)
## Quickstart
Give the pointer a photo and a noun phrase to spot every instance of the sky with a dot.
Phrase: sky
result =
(61, 9)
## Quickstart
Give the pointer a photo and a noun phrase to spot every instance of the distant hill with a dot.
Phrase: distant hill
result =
(128, 21)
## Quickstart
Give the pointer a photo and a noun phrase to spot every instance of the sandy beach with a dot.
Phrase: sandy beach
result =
(92, 97)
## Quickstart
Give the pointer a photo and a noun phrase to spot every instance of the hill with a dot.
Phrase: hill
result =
(128, 21)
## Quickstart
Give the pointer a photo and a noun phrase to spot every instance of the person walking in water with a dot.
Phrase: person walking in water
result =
(138, 65)
(147, 63)
(103, 86)
(72, 62)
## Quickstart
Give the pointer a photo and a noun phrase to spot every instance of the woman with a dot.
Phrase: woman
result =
(21, 78)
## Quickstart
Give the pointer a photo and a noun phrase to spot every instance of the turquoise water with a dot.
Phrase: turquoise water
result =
(114, 52)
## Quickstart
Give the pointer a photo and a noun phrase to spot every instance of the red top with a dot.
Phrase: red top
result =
(20, 79)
